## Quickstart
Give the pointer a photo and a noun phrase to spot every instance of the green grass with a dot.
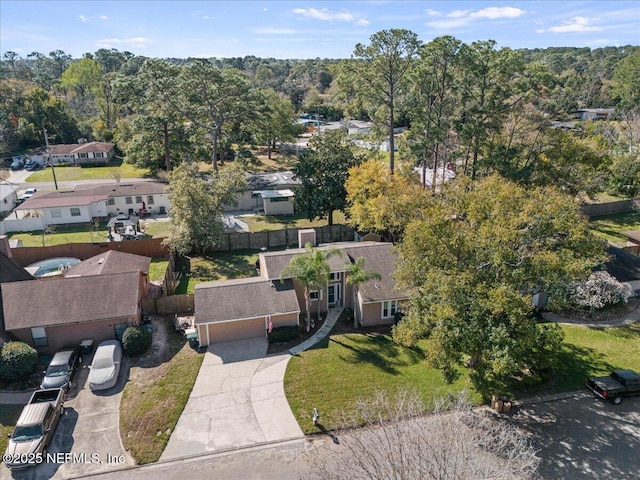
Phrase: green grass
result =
(123, 170)
(9, 415)
(149, 410)
(158, 269)
(218, 266)
(610, 226)
(263, 223)
(81, 233)
(157, 229)
(343, 368)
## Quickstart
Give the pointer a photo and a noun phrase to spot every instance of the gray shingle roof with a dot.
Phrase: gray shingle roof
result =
(243, 298)
(12, 271)
(60, 301)
(111, 261)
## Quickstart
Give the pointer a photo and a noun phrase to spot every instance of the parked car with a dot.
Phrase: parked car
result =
(618, 384)
(31, 166)
(62, 369)
(35, 429)
(105, 366)
(28, 193)
(17, 165)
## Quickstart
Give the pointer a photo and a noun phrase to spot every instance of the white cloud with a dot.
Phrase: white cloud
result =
(498, 12)
(104, 17)
(457, 13)
(575, 24)
(82, 18)
(431, 12)
(206, 17)
(138, 42)
(363, 22)
(447, 24)
(274, 31)
(324, 14)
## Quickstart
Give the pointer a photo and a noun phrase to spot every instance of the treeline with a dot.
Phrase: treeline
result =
(485, 109)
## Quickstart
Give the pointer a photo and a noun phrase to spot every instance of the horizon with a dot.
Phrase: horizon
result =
(302, 29)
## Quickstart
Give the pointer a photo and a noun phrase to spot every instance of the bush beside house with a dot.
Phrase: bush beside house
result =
(136, 340)
(17, 361)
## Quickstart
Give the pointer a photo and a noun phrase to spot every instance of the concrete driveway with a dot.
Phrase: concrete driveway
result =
(88, 431)
(238, 400)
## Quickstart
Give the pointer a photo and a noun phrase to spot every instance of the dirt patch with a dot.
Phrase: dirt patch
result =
(605, 315)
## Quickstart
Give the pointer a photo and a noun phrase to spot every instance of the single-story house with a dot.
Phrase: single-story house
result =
(624, 266)
(82, 205)
(277, 202)
(8, 197)
(252, 200)
(245, 305)
(61, 312)
(593, 113)
(81, 153)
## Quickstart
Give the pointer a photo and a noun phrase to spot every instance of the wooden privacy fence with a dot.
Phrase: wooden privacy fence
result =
(608, 208)
(287, 237)
(172, 304)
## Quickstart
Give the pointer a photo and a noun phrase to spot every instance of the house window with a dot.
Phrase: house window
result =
(83, 155)
(56, 213)
(279, 199)
(150, 199)
(389, 308)
(334, 276)
(39, 335)
(128, 200)
(139, 199)
(98, 154)
(315, 295)
(75, 211)
(111, 201)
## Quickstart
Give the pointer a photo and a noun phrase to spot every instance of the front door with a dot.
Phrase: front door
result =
(333, 294)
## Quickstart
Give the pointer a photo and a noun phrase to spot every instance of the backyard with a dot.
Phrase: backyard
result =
(263, 223)
(610, 226)
(115, 171)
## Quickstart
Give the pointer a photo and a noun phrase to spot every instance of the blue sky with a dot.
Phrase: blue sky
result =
(300, 29)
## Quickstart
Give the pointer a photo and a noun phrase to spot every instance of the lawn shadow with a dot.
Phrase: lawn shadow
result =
(380, 351)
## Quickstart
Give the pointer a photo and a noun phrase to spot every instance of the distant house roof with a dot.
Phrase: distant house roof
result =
(111, 261)
(7, 189)
(62, 301)
(243, 298)
(84, 195)
(277, 193)
(624, 266)
(270, 181)
(73, 148)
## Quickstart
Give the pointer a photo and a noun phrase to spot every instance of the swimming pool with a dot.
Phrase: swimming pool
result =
(51, 266)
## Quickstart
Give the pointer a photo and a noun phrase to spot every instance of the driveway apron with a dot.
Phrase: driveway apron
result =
(237, 400)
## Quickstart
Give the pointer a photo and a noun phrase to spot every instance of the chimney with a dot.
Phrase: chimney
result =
(4, 246)
(307, 235)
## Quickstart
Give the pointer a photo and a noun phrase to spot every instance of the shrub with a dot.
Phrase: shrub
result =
(600, 290)
(136, 340)
(17, 360)
(284, 334)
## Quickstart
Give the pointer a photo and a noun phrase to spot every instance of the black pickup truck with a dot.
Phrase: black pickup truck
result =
(620, 383)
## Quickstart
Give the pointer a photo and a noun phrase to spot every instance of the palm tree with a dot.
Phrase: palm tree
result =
(312, 270)
(356, 276)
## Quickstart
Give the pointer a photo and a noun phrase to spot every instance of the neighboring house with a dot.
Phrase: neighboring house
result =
(593, 113)
(60, 312)
(625, 267)
(8, 198)
(82, 205)
(245, 305)
(277, 202)
(86, 153)
(252, 198)
(113, 261)
(10, 271)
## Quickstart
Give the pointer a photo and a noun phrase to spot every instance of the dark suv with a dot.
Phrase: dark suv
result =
(62, 369)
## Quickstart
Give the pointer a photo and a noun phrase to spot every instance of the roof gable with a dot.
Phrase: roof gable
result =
(111, 261)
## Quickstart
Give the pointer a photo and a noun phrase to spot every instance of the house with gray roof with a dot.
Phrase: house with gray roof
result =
(244, 308)
(64, 311)
(81, 153)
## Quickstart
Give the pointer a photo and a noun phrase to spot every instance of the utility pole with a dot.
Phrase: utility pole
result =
(46, 141)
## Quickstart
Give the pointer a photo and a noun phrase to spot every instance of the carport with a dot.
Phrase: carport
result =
(243, 309)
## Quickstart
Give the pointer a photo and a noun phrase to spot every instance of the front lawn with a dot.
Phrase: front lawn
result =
(155, 396)
(345, 367)
(111, 172)
(263, 223)
(9, 415)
